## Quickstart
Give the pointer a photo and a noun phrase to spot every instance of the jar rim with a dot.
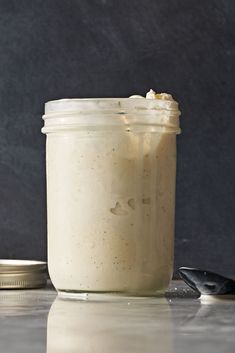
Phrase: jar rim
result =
(115, 104)
(112, 113)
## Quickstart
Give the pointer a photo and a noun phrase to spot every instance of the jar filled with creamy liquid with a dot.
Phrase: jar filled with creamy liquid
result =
(111, 167)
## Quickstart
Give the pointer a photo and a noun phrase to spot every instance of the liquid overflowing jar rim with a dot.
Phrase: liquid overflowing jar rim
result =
(124, 114)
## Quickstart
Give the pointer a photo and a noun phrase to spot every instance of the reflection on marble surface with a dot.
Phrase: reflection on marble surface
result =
(135, 325)
(23, 320)
(36, 321)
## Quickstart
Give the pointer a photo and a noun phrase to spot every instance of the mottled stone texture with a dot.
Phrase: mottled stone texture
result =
(74, 48)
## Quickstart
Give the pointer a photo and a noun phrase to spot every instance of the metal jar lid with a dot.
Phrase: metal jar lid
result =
(22, 274)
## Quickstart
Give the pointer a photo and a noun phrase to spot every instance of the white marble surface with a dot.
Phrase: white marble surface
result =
(36, 321)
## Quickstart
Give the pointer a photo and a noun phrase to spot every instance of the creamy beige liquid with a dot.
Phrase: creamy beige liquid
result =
(111, 210)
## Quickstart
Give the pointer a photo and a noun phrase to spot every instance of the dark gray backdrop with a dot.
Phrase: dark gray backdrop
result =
(53, 49)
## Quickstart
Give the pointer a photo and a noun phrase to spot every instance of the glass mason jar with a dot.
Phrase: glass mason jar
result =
(111, 167)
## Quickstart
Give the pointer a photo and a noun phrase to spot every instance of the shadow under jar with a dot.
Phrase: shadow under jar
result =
(111, 194)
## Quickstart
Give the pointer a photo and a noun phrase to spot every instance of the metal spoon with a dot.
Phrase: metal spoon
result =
(206, 282)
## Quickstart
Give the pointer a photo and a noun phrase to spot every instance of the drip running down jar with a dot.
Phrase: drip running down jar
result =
(111, 194)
